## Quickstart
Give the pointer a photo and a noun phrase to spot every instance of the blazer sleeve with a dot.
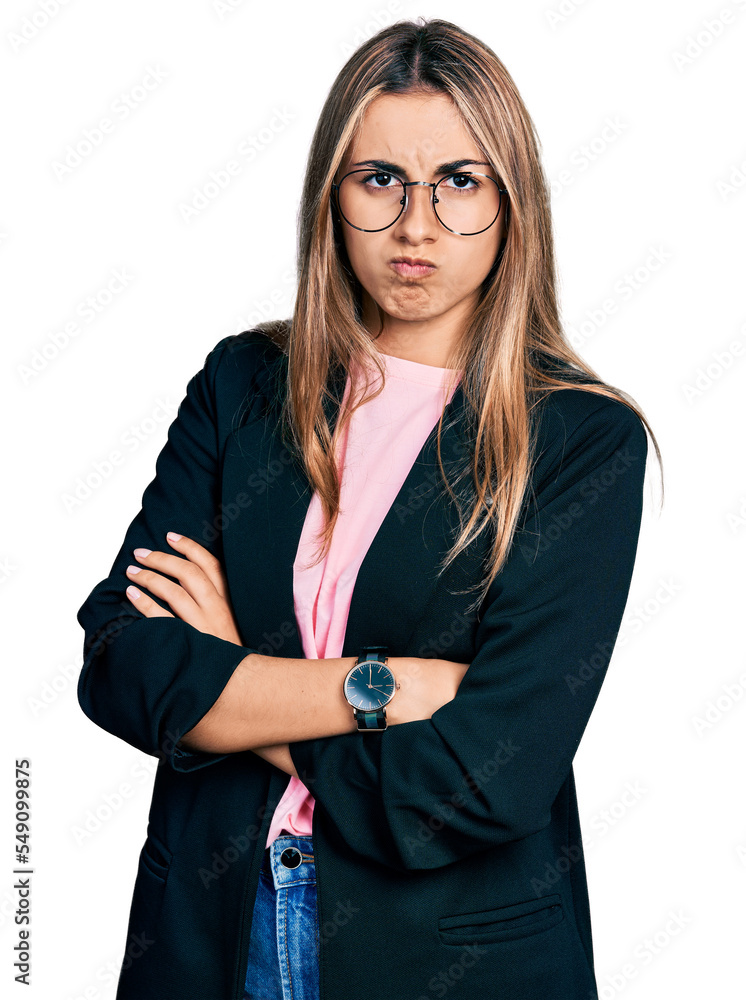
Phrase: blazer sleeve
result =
(150, 680)
(487, 767)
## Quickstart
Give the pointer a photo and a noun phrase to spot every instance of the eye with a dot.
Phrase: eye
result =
(378, 174)
(474, 182)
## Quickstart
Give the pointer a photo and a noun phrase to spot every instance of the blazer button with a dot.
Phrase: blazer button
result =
(290, 857)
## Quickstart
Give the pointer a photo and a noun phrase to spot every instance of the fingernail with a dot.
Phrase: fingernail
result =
(134, 569)
(141, 553)
(172, 536)
(133, 592)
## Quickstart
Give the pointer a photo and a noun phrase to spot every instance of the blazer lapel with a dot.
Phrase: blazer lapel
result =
(398, 575)
(270, 495)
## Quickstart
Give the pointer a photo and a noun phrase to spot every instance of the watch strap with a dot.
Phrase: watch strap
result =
(378, 653)
(374, 721)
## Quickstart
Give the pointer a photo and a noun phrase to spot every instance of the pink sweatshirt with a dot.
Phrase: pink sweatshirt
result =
(380, 445)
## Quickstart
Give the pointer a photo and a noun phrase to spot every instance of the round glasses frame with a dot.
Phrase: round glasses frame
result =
(434, 199)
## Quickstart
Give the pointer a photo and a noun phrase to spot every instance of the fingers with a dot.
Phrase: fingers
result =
(198, 583)
(200, 556)
(175, 595)
(198, 597)
(146, 604)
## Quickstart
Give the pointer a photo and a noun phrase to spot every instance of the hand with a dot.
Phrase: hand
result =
(200, 599)
(201, 596)
(426, 685)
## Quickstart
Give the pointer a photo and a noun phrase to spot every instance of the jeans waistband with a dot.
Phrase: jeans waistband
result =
(289, 859)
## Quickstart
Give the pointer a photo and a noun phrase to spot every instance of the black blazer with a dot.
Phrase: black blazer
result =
(448, 851)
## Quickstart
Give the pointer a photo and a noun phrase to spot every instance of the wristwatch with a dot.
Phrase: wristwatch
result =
(369, 686)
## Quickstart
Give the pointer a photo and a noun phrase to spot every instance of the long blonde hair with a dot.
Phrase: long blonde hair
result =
(515, 322)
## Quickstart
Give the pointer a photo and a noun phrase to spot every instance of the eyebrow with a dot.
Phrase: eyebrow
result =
(444, 168)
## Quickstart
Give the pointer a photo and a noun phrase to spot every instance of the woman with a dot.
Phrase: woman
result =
(406, 524)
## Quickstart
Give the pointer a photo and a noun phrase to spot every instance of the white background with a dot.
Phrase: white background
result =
(661, 795)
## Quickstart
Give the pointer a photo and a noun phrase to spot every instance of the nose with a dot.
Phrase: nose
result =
(418, 215)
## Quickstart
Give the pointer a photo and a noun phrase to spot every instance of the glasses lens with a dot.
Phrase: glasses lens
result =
(370, 200)
(465, 203)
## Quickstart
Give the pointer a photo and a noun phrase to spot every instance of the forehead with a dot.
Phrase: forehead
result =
(415, 130)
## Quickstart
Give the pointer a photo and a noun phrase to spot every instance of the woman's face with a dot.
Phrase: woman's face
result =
(418, 133)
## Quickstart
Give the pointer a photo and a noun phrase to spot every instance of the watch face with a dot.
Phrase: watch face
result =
(369, 686)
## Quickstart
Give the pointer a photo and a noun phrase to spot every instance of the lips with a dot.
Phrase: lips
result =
(412, 268)
(412, 260)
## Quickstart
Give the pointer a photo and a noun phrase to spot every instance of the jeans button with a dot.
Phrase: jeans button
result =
(290, 857)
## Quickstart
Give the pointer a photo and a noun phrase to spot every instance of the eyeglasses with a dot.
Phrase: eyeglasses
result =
(464, 210)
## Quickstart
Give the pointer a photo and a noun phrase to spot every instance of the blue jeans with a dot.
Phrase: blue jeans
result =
(284, 948)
